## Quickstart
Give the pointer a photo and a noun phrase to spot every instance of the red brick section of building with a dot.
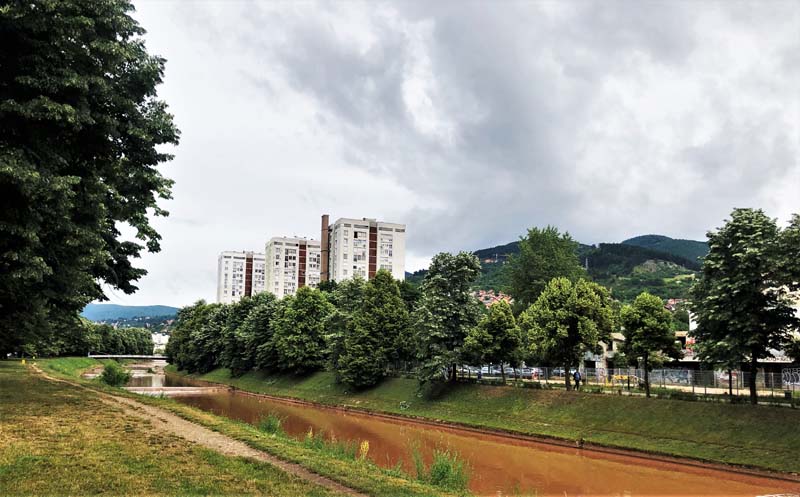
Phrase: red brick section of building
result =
(372, 267)
(324, 246)
(248, 274)
(301, 265)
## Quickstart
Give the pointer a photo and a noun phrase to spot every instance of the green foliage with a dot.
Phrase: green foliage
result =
(647, 327)
(628, 270)
(741, 302)
(376, 335)
(793, 349)
(299, 331)
(446, 311)
(271, 423)
(447, 471)
(789, 253)
(544, 254)
(688, 249)
(81, 133)
(567, 320)
(114, 375)
(85, 337)
(497, 338)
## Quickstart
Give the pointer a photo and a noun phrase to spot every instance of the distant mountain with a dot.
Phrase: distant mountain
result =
(105, 312)
(688, 249)
(661, 265)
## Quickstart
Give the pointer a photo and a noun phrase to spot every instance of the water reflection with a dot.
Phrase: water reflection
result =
(498, 464)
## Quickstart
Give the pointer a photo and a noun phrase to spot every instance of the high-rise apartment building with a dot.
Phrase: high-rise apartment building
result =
(291, 264)
(360, 247)
(239, 274)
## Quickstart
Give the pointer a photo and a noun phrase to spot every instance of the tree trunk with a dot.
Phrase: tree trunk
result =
(566, 377)
(455, 375)
(730, 384)
(646, 378)
(503, 373)
(753, 374)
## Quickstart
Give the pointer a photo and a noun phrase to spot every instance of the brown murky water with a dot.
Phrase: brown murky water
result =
(498, 464)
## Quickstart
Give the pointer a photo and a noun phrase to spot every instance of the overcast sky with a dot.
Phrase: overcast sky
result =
(468, 121)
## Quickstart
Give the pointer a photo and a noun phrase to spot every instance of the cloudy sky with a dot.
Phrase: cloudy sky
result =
(469, 121)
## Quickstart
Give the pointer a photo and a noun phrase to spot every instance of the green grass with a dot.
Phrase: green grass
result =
(57, 439)
(756, 436)
(334, 460)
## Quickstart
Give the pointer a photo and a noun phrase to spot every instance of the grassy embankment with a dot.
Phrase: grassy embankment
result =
(755, 436)
(324, 460)
(56, 439)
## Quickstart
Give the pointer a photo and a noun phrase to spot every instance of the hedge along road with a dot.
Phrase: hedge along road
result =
(498, 463)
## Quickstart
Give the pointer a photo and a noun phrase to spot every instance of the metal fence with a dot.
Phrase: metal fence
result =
(695, 381)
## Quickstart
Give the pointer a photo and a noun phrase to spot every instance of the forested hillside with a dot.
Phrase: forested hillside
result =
(688, 249)
(627, 268)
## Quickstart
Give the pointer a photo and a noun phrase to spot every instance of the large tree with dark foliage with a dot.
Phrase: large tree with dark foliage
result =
(80, 129)
(648, 333)
(446, 311)
(742, 297)
(544, 254)
(568, 320)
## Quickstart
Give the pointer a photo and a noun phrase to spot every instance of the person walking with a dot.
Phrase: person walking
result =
(577, 377)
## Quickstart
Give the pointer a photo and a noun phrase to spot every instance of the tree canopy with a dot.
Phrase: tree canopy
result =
(567, 320)
(496, 339)
(647, 326)
(741, 299)
(446, 311)
(544, 254)
(80, 136)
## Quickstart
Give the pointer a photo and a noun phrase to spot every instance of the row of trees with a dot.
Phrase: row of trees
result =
(359, 329)
(362, 330)
(86, 337)
(744, 299)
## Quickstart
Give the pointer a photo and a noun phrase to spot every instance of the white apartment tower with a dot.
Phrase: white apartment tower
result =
(361, 247)
(239, 274)
(291, 264)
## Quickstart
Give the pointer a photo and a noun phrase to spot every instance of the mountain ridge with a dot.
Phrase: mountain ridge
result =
(104, 312)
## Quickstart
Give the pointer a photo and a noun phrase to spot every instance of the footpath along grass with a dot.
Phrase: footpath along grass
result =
(754, 436)
(56, 439)
(364, 476)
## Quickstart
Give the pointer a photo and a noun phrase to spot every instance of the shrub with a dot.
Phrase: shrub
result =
(114, 375)
(448, 471)
(271, 423)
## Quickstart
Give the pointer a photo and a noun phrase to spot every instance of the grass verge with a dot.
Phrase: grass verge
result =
(60, 440)
(753, 436)
(328, 460)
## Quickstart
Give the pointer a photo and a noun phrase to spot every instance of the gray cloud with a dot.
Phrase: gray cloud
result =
(472, 121)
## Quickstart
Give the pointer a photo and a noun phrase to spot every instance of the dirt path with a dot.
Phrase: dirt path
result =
(166, 421)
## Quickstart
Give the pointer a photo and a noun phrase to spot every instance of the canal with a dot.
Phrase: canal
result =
(498, 465)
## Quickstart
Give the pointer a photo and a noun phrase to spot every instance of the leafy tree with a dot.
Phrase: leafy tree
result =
(789, 249)
(299, 331)
(648, 333)
(497, 338)
(248, 326)
(680, 320)
(446, 311)
(375, 335)
(233, 344)
(80, 137)
(568, 320)
(741, 296)
(544, 254)
(793, 350)
(347, 298)
(410, 294)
